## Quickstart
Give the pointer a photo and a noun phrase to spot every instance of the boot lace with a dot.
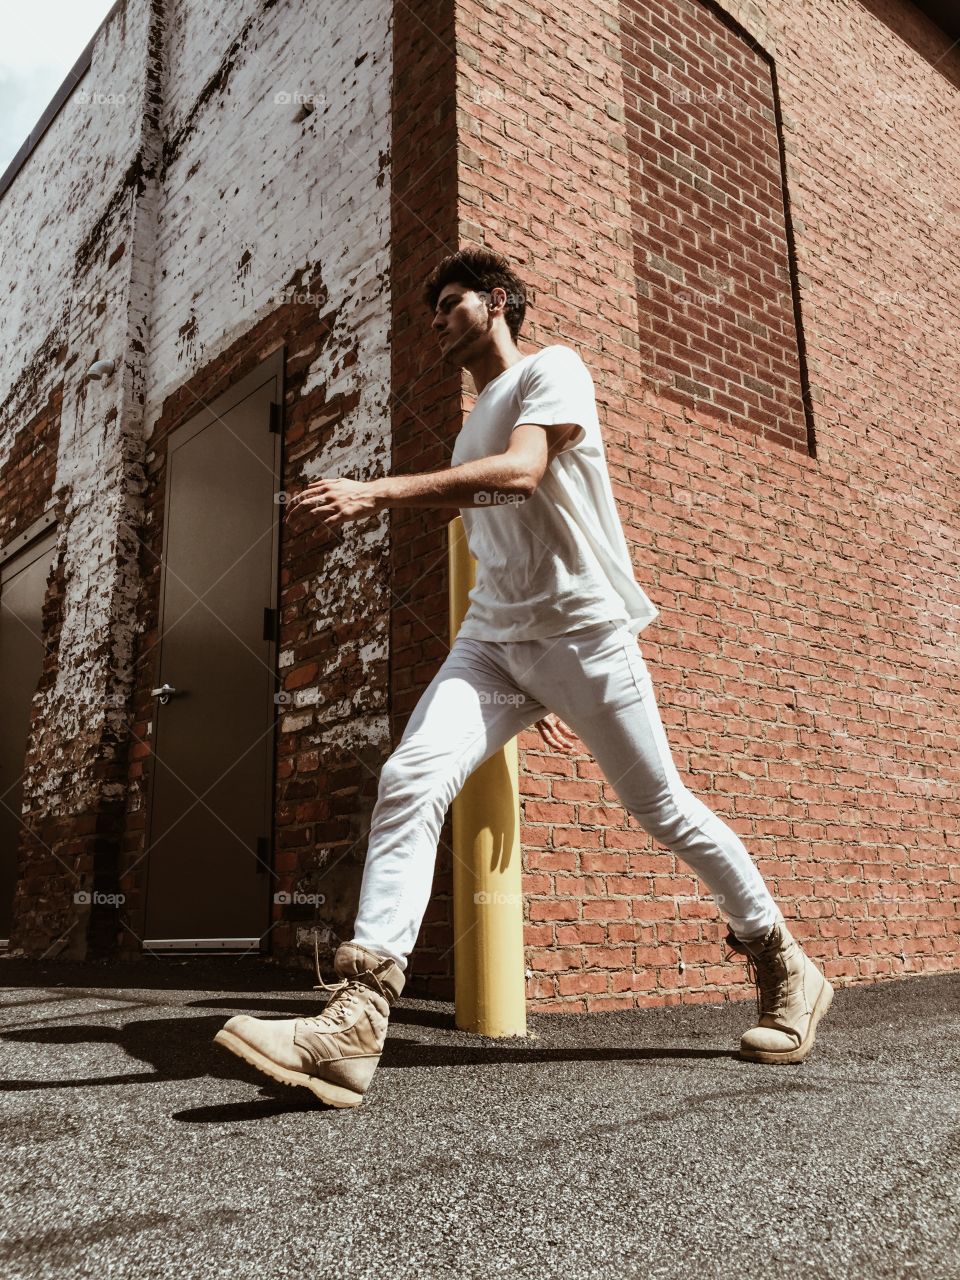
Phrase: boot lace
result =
(771, 982)
(770, 977)
(345, 993)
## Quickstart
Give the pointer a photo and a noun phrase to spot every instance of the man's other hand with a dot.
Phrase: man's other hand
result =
(555, 733)
(335, 500)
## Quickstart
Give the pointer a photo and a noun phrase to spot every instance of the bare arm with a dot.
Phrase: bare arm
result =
(470, 484)
(503, 477)
(514, 474)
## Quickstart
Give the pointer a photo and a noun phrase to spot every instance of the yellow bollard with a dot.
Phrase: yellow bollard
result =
(490, 989)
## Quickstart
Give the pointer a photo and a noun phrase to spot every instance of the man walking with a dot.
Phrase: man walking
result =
(549, 638)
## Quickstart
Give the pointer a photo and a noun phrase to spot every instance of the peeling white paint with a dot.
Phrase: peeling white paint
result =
(208, 252)
(361, 731)
(375, 649)
(293, 724)
(333, 711)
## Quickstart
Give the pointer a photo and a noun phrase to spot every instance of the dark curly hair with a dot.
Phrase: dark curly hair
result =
(481, 270)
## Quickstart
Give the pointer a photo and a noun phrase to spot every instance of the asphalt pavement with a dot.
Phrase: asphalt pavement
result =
(601, 1145)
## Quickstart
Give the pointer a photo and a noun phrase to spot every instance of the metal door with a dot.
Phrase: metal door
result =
(211, 807)
(23, 583)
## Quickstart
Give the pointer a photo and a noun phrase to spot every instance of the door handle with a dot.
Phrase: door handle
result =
(163, 693)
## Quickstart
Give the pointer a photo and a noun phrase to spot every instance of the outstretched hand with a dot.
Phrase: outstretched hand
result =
(335, 499)
(555, 733)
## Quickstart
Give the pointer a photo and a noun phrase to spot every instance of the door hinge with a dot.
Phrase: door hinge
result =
(271, 629)
(263, 855)
(276, 417)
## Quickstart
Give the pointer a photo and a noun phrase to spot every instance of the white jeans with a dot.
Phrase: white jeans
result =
(483, 695)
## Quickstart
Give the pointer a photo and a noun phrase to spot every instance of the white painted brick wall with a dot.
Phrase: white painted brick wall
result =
(242, 178)
(62, 189)
(291, 194)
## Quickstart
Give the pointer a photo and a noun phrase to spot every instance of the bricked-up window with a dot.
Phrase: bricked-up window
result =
(717, 319)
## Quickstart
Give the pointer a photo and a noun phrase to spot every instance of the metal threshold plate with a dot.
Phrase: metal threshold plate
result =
(201, 944)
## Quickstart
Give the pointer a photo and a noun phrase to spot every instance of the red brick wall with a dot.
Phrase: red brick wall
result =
(425, 404)
(805, 657)
(710, 236)
(27, 474)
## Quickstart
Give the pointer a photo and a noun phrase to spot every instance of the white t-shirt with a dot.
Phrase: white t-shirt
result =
(557, 561)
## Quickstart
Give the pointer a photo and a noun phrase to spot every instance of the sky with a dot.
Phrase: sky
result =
(41, 42)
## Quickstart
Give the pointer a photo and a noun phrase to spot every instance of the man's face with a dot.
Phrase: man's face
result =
(462, 321)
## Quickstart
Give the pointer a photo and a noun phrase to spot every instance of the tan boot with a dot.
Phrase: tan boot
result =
(335, 1053)
(792, 996)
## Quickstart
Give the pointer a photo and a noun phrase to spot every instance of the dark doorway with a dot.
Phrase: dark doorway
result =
(23, 582)
(211, 808)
